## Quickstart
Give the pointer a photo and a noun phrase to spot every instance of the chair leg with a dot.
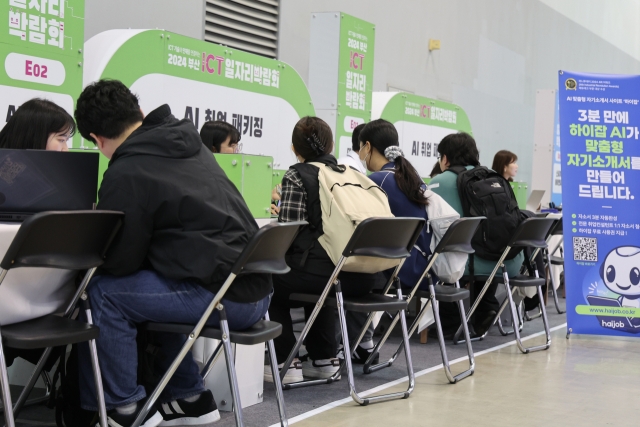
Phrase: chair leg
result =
(231, 370)
(412, 330)
(37, 372)
(206, 369)
(6, 391)
(284, 422)
(345, 340)
(102, 411)
(554, 290)
(333, 280)
(443, 351)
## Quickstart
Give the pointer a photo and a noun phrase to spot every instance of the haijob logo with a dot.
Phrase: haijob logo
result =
(612, 324)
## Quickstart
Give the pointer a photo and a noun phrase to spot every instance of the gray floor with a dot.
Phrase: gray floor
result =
(306, 399)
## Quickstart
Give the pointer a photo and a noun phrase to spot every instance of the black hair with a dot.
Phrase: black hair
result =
(381, 134)
(437, 170)
(355, 137)
(106, 108)
(460, 149)
(214, 133)
(32, 123)
(501, 160)
(312, 138)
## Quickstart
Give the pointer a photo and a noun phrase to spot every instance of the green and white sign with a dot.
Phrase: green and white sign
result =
(421, 123)
(341, 73)
(41, 46)
(355, 78)
(201, 81)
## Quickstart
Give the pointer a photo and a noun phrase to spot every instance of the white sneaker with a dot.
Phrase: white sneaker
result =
(321, 369)
(293, 375)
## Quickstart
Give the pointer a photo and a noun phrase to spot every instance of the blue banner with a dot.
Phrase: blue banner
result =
(600, 131)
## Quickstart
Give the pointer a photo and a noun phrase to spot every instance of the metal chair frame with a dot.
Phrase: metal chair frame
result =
(244, 264)
(79, 296)
(334, 283)
(555, 231)
(435, 306)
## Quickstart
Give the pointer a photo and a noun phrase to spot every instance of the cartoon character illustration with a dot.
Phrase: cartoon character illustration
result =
(620, 272)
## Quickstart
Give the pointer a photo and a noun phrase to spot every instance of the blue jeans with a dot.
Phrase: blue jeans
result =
(119, 303)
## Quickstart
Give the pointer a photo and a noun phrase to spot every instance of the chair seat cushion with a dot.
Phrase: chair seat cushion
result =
(47, 331)
(557, 260)
(364, 304)
(262, 331)
(524, 281)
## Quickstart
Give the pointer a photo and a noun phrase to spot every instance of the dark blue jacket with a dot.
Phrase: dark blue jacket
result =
(401, 206)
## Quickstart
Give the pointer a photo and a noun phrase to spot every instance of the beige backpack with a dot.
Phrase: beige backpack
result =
(347, 198)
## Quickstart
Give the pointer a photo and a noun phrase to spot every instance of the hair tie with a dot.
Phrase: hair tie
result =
(392, 152)
(316, 144)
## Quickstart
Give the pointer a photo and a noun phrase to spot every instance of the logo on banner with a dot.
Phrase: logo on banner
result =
(571, 84)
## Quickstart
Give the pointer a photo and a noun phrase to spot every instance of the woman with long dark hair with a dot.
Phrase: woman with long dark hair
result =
(38, 124)
(380, 151)
(311, 267)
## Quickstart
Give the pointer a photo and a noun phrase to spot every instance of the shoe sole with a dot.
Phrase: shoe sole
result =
(319, 375)
(154, 421)
(288, 379)
(202, 420)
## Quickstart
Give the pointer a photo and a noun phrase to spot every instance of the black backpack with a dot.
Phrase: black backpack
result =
(484, 192)
(66, 399)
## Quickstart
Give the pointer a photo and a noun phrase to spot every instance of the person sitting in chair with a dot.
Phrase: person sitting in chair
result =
(185, 225)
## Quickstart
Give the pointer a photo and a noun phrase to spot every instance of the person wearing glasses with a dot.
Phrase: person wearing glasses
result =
(38, 124)
(220, 137)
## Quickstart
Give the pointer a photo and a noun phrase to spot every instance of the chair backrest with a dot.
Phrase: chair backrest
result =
(71, 240)
(266, 250)
(458, 236)
(532, 233)
(390, 238)
(557, 228)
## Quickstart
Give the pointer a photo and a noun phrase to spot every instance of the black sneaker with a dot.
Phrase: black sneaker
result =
(115, 419)
(482, 325)
(179, 412)
(362, 354)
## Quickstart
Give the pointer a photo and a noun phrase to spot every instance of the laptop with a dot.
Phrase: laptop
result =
(533, 203)
(33, 181)
(624, 324)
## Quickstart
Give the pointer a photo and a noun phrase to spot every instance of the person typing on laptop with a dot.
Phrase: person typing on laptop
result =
(185, 224)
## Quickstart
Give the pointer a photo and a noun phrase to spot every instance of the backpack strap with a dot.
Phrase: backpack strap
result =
(457, 169)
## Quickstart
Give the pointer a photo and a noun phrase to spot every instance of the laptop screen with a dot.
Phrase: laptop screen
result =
(33, 181)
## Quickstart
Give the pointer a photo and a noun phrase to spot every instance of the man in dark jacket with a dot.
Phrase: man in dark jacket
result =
(185, 224)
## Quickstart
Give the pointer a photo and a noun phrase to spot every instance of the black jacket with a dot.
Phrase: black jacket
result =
(183, 217)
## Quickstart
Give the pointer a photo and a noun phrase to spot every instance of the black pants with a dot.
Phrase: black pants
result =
(450, 314)
(321, 340)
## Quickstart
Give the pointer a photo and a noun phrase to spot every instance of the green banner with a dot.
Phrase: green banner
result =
(355, 78)
(41, 47)
(597, 310)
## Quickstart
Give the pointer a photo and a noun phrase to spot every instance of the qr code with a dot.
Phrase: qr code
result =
(585, 249)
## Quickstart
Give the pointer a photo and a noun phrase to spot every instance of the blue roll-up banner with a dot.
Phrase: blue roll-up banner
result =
(600, 131)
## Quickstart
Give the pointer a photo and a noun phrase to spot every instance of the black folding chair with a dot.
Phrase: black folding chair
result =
(552, 259)
(456, 239)
(264, 254)
(531, 233)
(71, 240)
(386, 238)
